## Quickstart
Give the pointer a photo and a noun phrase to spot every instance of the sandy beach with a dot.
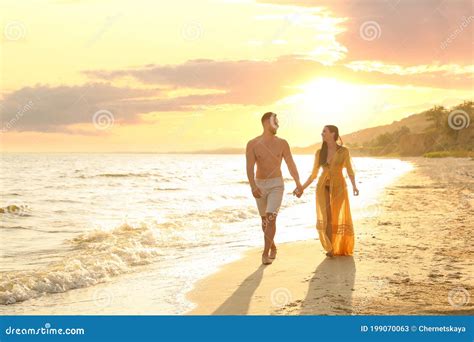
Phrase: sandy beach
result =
(414, 257)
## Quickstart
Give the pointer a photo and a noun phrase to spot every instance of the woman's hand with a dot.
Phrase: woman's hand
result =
(298, 192)
(355, 191)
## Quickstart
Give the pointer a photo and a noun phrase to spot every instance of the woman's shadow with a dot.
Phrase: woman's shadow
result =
(238, 303)
(330, 289)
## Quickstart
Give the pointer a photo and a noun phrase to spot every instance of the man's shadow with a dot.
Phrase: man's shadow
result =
(238, 303)
(330, 288)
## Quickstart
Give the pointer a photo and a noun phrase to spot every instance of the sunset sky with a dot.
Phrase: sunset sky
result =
(98, 75)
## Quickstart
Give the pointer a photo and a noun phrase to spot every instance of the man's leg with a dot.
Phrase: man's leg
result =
(264, 224)
(262, 208)
(269, 232)
(274, 201)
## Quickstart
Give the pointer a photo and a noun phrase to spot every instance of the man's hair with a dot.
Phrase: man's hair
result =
(267, 116)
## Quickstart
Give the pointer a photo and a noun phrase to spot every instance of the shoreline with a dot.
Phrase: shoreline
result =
(405, 262)
(354, 153)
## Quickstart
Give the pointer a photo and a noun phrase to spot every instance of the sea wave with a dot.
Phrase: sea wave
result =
(285, 179)
(93, 258)
(117, 175)
(17, 210)
(160, 188)
(228, 214)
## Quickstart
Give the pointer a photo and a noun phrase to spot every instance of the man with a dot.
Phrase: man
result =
(267, 151)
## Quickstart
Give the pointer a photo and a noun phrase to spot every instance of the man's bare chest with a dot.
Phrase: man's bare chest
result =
(268, 152)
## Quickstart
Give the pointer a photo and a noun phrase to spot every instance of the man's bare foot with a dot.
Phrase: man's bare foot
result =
(273, 253)
(330, 254)
(266, 260)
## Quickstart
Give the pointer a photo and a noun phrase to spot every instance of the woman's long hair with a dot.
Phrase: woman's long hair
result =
(323, 156)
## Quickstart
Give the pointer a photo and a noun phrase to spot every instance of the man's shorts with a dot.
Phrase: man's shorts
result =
(272, 195)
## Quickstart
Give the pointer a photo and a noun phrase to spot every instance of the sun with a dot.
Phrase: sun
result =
(331, 96)
(328, 95)
(327, 98)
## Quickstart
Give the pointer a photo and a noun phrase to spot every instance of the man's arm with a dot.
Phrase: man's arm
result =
(291, 164)
(250, 161)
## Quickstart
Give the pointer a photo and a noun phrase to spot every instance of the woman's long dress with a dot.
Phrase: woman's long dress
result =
(341, 221)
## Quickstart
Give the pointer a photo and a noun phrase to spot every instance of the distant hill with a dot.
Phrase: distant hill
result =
(417, 123)
(418, 136)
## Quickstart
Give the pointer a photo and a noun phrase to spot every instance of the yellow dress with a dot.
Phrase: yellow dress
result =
(341, 220)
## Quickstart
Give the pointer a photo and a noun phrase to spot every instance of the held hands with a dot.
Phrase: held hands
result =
(298, 192)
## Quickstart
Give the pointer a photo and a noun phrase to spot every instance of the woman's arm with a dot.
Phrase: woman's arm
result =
(350, 172)
(314, 173)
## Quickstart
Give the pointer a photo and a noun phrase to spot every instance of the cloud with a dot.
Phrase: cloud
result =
(403, 32)
(263, 82)
(243, 82)
(50, 109)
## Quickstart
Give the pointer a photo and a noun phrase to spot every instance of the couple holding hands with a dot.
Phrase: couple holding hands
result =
(334, 221)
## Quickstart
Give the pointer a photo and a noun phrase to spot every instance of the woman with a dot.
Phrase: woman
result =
(334, 221)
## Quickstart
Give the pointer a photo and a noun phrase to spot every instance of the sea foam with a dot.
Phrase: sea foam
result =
(93, 258)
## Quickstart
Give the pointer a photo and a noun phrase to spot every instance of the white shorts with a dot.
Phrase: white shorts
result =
(272, 195)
